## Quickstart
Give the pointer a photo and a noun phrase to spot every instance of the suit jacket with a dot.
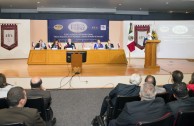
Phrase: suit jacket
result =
(136, 111)
(40, 93)
(109, 46)
(181, 104)
(29, 116)
(168, 88)
(124, 90)
(72, 45)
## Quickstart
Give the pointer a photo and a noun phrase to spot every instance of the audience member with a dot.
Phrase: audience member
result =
(131, 89)
(183, 101)
(41, 44)
(98, 45)
(17, 113)
(151, 79)
(177, 77)
(149, 108)
(69, 44)
(56, 44)
(190, 86)
(37, 90)
(4, 86)
(109, 45)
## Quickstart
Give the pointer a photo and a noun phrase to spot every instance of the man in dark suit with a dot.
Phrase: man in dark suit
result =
(37, 90)
(17, 113)
(109, 45)
(177, 77)
(131, 89)
(149, 108)
(183, 101)
(69, 44)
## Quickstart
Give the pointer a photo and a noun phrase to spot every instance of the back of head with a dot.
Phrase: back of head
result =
(177, 76)
(14, 96)
(180, 90)
(135, 79)
(3, 82)
(147, 92)
(36, 82)
(150, 79)
(192, 79)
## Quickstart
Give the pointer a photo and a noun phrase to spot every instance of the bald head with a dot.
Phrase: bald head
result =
(36, 82)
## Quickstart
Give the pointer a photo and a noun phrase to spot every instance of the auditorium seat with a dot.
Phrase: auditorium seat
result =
(15, 124)
(185, 118)
(191, 93)
(114, 111)
(3, 103)
(166, 120)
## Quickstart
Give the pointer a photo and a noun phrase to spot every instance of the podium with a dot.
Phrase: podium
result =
(76, 62)
(151, 54)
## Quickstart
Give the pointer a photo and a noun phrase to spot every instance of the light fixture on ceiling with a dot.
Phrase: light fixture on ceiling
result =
(38, 2)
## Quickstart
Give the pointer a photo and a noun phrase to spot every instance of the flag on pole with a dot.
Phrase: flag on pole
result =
(131, 46)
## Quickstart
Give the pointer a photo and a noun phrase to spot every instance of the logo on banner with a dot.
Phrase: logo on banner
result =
(103, 27)
(77, 27)
(58, 27)
(9, 36)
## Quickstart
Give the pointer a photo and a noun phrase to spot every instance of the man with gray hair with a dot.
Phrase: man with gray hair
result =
(131, 89)
(149, 108)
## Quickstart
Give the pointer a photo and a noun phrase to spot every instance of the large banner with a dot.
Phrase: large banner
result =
(79, 30)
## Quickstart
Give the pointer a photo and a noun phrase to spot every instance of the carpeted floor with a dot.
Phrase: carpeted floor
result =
(77, 107)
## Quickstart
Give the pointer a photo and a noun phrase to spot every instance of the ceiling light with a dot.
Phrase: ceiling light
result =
(38, 2)
(187, 12)
(171, 11)
(167, 3)
(120, 4)
(140, 8)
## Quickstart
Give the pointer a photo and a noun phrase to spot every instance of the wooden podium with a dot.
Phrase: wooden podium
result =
(151, 54)
(76, 62)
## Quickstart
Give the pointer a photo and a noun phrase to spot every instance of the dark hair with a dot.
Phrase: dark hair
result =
(36, 85)
(3, 82)
(153, 79)
(180, 90)
(177, 76)
(14, 96)
(192, 79)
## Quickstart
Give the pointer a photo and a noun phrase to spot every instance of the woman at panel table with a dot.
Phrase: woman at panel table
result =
(109, 45)
(56, 44)
(98, 45)
(69, 44)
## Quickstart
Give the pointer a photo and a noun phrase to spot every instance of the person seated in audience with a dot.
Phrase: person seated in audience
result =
(131, 89)
(190, 86)
(149, 108)
(16, 98)
(109, 45)
(177, 77)
(183, 101)
(56, 44)
(41, 45)
(98, 45)
(151, 79)
(69, 44)
(4, 86)
(37, 90)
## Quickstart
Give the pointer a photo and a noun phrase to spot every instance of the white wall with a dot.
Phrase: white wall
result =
(22, 50)
(177, 39)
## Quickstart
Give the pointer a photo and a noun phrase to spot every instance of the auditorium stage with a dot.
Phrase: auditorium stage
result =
(93, 75)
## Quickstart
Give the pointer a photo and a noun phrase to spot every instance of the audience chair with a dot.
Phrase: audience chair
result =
(166, 120)
(15, 124)
(114, 111)
(165, 96)
(191, 93)
(185, 118)
(38, 103)
(3, 103)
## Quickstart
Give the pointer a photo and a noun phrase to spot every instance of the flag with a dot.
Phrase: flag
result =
(131, 46)
(130, 28)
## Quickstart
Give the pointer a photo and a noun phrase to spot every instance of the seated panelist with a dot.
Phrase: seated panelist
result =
(109, 45)
(69, 44)
(98, 45)
(41, 45)
(56, 44)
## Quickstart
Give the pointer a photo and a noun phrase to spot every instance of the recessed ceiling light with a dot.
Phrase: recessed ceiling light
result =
(187, 12)
(167, 3)
(140, 8)
(38, 2)
(171, 11)
(120, 4)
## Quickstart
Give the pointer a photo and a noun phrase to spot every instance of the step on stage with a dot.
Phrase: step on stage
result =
(19, 73)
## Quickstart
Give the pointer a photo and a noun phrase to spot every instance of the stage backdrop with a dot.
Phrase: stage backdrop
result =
(79, 30)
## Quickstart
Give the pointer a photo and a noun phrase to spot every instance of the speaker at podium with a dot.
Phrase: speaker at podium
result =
(76, 58)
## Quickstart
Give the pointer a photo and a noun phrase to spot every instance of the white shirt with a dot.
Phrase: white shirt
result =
(4, 91)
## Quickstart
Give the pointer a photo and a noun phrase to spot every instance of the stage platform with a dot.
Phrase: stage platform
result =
(19, 73)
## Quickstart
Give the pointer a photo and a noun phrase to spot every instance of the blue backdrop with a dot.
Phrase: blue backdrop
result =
(79, 30)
